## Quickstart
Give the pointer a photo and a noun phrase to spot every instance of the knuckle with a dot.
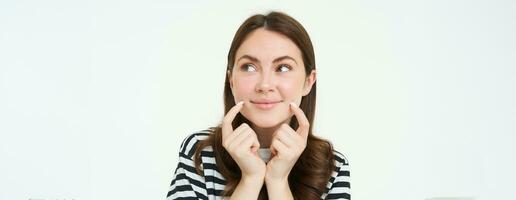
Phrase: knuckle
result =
(305, 124)
(285, 126)
(242, 127)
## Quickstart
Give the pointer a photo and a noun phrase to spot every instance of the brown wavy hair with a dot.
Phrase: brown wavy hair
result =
(312, 171)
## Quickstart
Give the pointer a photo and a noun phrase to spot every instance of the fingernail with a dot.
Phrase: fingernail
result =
(241, 102)
(293, 104)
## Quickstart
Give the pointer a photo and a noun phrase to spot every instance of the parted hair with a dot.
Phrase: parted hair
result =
(312, 171)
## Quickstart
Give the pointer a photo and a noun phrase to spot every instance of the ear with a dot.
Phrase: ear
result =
(309, 81)
(229, 78)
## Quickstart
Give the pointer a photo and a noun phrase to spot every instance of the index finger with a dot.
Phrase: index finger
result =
(230, 116)
(303, 122)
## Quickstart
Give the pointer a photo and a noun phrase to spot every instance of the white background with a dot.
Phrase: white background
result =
(96, 96)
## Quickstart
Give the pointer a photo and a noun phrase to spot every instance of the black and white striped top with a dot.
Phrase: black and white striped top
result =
(187, 184)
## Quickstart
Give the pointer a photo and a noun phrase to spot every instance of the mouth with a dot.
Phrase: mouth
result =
(266, 104)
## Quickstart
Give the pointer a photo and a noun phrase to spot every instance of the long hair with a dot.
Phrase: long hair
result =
(312, 171)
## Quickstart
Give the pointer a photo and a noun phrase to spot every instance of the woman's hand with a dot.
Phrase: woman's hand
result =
(242, 144)
(286, 147)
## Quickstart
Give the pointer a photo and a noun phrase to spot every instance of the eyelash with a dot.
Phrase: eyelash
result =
(244, 66)
(286, 66)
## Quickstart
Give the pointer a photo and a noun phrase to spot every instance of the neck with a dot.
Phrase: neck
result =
(265, 134)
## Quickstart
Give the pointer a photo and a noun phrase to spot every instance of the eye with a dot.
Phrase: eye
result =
(248, 68)
(284, 68)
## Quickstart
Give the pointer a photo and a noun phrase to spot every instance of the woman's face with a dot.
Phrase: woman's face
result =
(269, 74)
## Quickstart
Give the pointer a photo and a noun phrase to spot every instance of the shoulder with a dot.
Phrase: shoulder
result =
(341, 164)
(190, 142)
(340, 159)
(339, 184)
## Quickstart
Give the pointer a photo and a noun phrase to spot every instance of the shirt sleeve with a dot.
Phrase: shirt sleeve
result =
(340, 188)
(187, 184)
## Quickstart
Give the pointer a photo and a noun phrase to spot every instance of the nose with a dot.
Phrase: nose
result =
(266, 84)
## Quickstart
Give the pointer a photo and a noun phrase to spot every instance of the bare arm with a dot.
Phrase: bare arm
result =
(279, 190)
(248, 188)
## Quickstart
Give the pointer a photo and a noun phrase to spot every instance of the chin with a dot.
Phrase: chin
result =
(263, 120)
(265, 123)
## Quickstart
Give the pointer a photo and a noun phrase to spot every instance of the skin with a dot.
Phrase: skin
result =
(268, 66)
(260, 73)
(242, 145)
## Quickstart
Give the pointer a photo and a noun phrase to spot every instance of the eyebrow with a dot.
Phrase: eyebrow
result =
(258, 61)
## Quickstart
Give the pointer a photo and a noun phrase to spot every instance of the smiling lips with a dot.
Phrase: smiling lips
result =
(265, 104)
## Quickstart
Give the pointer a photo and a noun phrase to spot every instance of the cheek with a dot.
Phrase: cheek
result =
(242, 89)
(291, 90)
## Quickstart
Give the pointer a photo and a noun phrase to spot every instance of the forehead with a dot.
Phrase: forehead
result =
(267, 45)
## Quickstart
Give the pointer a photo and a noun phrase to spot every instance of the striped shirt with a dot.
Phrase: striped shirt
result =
(187, 184)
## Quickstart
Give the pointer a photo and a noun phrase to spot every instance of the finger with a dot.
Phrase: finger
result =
(286, 138)
(256, 144)
(239, 139)
(229, 137)
(280, 147)
(274, 152)
(304, 124)
(286, 128)
(230, 116)
(250, 143)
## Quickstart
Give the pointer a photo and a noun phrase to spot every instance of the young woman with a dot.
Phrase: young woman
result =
(264, 148)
